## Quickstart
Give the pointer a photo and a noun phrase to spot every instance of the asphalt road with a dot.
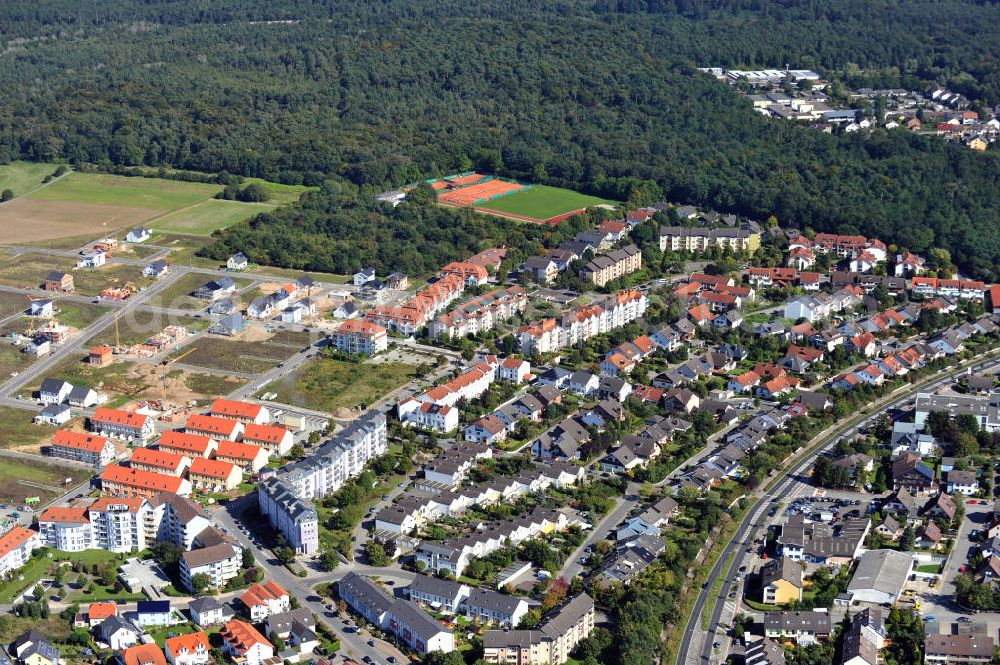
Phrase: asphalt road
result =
(353, 644)
(791, 482)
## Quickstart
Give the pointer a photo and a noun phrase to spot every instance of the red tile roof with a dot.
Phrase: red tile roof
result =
(269, 433)
(211, 468)
(77, 441)
(193, 443)
(144, 654)
(237, 450)
(227, 408)
(64, 515)
(219, 426)
(119, 417)
(102, 611)
(146, 480)
(188, 643)
(14, 539)
(158, 458)
(241, 636)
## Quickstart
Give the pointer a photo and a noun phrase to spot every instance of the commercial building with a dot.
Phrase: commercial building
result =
(880, 577)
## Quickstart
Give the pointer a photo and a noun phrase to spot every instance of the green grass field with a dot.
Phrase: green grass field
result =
(101, 189)
(542, 202)
(208, 216)
(78, 315)
(22, 177)
(325, 384)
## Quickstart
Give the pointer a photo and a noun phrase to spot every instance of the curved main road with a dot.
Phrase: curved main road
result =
(785, 486)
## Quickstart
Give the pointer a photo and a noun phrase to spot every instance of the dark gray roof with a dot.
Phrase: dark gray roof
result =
(493, 600)
(204, 604)
(53, 386)
(434, 586)
(558, 621)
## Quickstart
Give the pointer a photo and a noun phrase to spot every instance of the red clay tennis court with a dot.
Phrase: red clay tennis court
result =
(484, 190)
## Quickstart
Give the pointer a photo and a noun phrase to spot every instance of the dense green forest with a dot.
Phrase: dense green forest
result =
(582, 94)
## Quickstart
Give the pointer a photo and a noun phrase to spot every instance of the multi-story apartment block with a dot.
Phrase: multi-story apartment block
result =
(65, 529)
(285, 497)
(159, 461)
(550, 643)
(220, 562)
(360, 338)
(191, 445)
(216, 428)
(699, 239)
(247, 456)
(119, 524)
(175, 519)
(86, 448)
(16, 547)
(213, 475)
(608, 267)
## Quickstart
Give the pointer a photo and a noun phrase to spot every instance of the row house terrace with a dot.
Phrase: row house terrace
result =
(581, 323)
(480, 314)
(426, 303)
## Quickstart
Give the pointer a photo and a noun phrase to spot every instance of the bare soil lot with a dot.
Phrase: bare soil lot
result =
(32, 220)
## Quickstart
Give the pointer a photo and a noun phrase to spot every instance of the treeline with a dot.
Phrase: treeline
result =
(385, 93)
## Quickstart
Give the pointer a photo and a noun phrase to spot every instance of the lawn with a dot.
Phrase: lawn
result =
(183, 248)
(287, 273)
(542, 202)
(20, 479)
(325, 384)
(932, 568)
(102, 189)
(22, 177)
(208, 216)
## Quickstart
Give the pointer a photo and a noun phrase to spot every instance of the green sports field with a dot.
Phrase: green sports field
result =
(542, 202)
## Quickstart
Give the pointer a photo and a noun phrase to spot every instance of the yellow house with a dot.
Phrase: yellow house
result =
(209, 475)
(977, 144)
(33, 648)
(781, 581)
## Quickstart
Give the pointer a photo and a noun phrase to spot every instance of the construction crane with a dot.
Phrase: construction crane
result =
(164, 365)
